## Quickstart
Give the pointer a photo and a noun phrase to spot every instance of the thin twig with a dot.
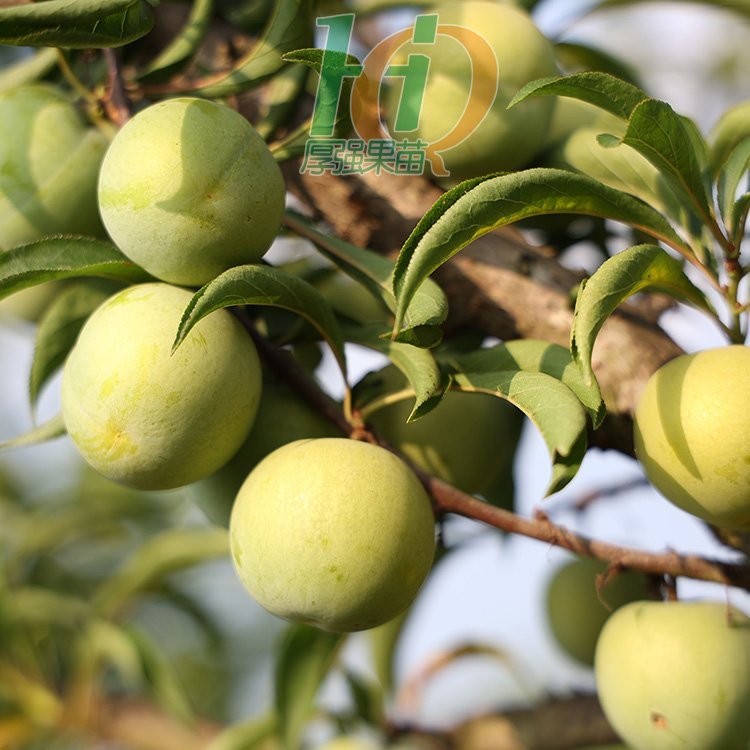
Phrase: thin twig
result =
(115, 102)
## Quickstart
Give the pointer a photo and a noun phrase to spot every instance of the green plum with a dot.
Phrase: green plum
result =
(148, 418)
(333, 532)
(676, 675)
(189, 189)
(691, 434)
(505, 139)
(576, 614)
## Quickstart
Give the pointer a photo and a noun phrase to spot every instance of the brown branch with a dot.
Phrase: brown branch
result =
(115, 102)
(559, 724)
(448, 499)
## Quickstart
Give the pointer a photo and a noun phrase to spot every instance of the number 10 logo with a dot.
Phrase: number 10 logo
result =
(364, 104)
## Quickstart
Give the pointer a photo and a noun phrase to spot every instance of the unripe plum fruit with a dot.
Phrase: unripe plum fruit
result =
(468, 440)
(576, 614)
(333, 532)
(505, 139)
(49, 162)
(676, 676)
(145, 417)
(282, 418)
(189, 189)
(691, 434)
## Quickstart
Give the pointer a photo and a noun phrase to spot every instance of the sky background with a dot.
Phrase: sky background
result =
(491, 591)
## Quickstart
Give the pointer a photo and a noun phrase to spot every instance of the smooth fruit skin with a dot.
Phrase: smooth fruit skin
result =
(49, 162)
(282, 418)
(145, 417)
(333, 532)
(576, 614)
(691, 434)
(189, 189)
(505, 139)
(676, 676)
(468, 440)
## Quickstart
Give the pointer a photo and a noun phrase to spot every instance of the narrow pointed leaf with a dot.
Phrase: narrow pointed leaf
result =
(289, 28)
(551, 406)
(64, 257)
(660, 134)
(425, 313)
(58, 330)
(53, 428)
(169, 552)
(183, 46)
(28, 69)
(600, 89)
(245, 736)
(161, 677)
(735, 170)
(476, 207)
(76, 24)
(529, 355)
(305, 657)
(633, 270)
(417, 364)
(265, 285)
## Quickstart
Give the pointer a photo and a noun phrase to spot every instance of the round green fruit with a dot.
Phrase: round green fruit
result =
(333, 532)
(468, 440)
(188, 189)
(505, 139)
(145, 417)
(576, 614)
(691, 434)
(676, 676)
(49, 162)
(351, 299)
(282, 418)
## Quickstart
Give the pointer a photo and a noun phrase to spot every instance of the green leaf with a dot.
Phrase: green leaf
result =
(367, 697)
(383, 642)
(530, 355)
(246, 736)
(265, 285)
(417, 364)
(733, 127)
(551, 406)
(76, 24)
(660, 134)
(64, 257)
(171, 551)
(289, 28)
(427, 310)
(600, 89)
(633, 270)
(476, 207)
(305, 657)
(730, 178)
(53, 428)
(27, 70)
(161, 677)
(58, 330)
(183, 46)
(280, 100)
